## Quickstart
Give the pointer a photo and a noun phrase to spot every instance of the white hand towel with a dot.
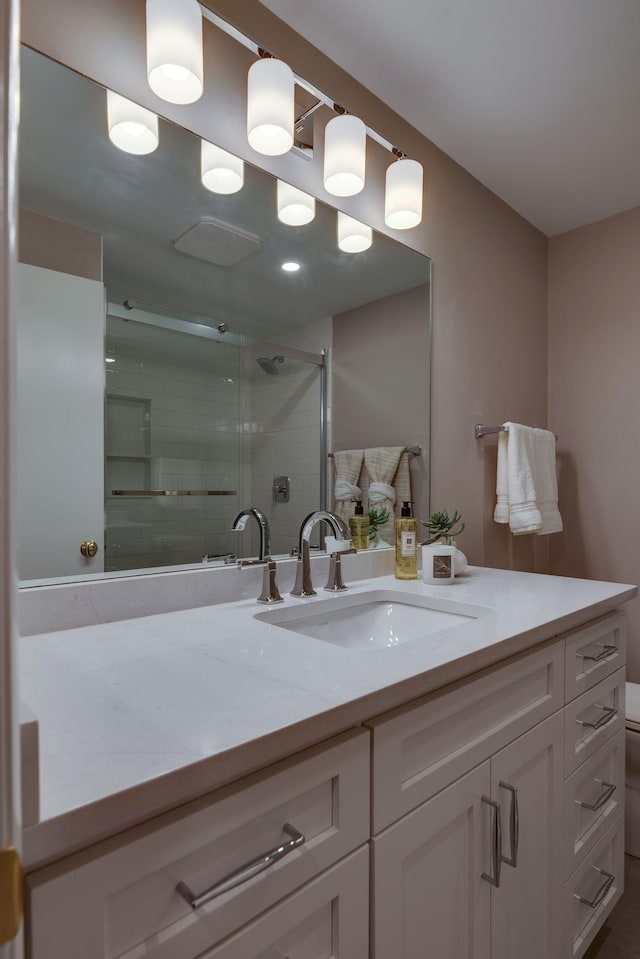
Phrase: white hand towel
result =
(524, 515)
(501, 512)
(547, 482)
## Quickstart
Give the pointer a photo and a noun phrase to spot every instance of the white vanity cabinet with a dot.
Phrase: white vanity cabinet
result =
(482, 821)
(497, 805)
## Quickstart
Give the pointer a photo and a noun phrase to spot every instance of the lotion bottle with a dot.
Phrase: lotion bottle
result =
(359, 526)
(406, 566)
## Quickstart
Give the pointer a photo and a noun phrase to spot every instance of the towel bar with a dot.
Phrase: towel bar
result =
(479, 430)
(414, 450)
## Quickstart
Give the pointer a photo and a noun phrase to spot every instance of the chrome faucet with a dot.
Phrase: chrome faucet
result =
(303, 585)
(240, 522)
(270, 592)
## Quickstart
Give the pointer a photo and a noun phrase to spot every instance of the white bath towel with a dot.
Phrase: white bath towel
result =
(501, 512)
(547, 483)
(526, 485)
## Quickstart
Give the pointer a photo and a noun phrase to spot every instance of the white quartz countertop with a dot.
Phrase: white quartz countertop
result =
(138, 716)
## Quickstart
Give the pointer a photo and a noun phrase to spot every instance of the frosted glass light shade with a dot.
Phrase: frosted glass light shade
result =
(345, 148)
(403, 194)
(174, 49)
(295, 208)
(353, 236)
(222, 172)
(131, 127)
(270, 107)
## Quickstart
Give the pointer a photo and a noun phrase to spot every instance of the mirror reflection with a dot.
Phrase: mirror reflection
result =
(170, 371)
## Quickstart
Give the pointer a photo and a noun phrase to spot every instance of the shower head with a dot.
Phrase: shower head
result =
(269, 365)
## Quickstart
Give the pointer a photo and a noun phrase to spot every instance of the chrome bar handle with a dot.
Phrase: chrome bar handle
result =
(248, 871)
(496, 843)
(605, 795)
(514, 826)
(602, 891)
(608, 712)
(607, 650)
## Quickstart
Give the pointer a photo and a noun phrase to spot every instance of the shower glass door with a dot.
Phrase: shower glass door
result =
(173, 446)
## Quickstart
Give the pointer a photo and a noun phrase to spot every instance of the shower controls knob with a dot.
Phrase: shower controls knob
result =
(89, 548)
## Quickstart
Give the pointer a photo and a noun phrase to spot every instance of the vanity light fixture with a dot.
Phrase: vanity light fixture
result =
(290, 267)
(403, 193)
(221, 172)
(345, 147)
(131, 127)
(270, 106)
(353, 236)
(174, 50)
(295, 208)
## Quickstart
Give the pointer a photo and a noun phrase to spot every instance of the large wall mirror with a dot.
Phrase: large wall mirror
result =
(170, 371)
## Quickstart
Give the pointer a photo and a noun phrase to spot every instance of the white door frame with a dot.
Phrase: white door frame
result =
(10, 834)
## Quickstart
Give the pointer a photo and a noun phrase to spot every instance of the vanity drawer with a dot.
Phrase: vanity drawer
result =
(119, 898)
(600, 881)
(329, 917)
(592, 719)
(594, 797)
(593, 652)
(421, 748)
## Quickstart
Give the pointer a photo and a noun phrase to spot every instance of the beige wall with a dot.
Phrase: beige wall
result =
(55, 245)
(489, 265)
(381, 395)
(594, 403)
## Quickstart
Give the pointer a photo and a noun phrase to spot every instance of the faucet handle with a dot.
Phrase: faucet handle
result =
(335, 582)
(270, 592)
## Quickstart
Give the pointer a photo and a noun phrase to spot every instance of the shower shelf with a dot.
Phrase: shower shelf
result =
(174, 492)
(128, 456)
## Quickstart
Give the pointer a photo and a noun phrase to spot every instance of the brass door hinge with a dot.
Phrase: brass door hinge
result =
(11, 895)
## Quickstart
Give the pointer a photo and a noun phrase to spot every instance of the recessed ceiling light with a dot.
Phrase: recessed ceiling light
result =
(290, 267)
(109, 359)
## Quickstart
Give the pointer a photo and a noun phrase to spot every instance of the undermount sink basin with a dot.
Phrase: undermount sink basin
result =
(376, 619)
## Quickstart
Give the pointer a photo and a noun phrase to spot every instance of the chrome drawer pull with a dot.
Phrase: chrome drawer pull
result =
(250, 869)
(607, 650)
(608, 712)
(514, 826)
(605, 795)
(602, 891)
(496, 843)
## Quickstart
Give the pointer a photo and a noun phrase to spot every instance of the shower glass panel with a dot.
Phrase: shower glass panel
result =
(173, 446)
(198, 425)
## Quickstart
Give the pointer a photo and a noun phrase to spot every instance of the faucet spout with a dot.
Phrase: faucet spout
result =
(303, 585)
(240, 522)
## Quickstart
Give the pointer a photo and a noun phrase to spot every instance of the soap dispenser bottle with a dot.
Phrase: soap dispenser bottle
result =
(359, 526)
(406, 566)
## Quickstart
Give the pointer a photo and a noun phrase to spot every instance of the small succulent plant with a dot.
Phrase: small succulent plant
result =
(440, 526)
(377, 518)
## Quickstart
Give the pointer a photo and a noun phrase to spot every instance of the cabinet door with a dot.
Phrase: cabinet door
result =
(528, 776)
(429, 897)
